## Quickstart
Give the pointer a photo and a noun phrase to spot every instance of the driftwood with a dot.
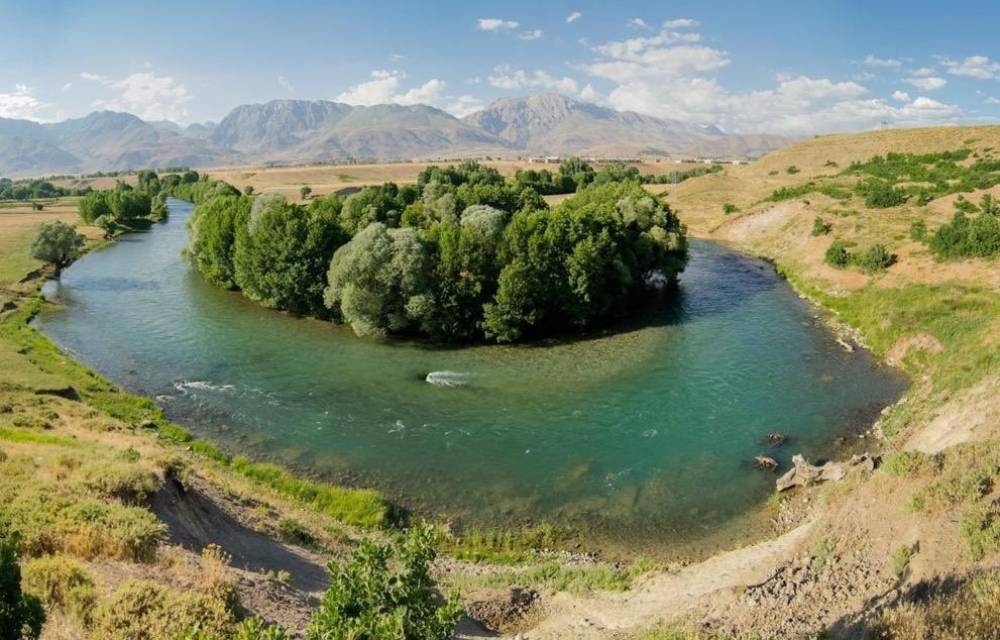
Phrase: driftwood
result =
(803, 474)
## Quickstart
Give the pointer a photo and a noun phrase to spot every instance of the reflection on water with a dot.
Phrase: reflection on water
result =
(647, 430)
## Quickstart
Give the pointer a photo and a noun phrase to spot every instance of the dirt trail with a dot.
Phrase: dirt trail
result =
(664, 596)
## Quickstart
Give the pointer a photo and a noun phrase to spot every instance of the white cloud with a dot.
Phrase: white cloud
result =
(979, 67)
(932, 83)
(681, 23)
(669, 77)
(900, 96)
(923, 72)
(506, 77)
(992, 100)
(383, 88)
(285, 84)
(496, 24)
(533, 34)
(66, 87)
(573, 17)
(890, 63)
(588, 93)
(463, 106)
(638, 23)
(147, 95)
(20, 104)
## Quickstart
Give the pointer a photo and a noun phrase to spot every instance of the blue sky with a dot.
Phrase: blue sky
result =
(782, 67)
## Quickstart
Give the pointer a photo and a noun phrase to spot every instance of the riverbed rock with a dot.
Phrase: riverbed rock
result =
(776, 438)
(766, 463)
(803, 474)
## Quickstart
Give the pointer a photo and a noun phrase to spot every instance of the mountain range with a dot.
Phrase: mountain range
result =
(306, 131)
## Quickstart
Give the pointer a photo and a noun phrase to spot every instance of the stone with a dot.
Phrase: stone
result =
(803, 474)
(766, 463)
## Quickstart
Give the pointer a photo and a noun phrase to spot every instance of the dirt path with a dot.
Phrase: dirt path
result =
(662, 597)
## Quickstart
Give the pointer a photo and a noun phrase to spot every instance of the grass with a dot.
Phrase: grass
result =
(506, 546)
(558, 576)
(901, 556)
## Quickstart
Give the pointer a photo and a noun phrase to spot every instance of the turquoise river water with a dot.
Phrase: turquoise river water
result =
(643, 434)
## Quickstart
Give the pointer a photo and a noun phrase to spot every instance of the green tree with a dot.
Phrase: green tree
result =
(93, 205)
(380, 283)
(305, 191)
(57, 243)
(212, 233)
(368, 599)
(21, 615)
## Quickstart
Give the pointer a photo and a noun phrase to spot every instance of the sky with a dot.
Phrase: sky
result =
(794, 68)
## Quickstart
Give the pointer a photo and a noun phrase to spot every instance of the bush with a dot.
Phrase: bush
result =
(956, 609)
(140, 610)
(368, 599)
(838, 254)
(125, 481)
(21, 615)
(918, 230)
(980, 528)
(820, 228)
(792, 170)
(875, 258)
(905, 463)
(901, 558)
(963, 237)
(61, 584)
(881, 195)
(57, 243)
(729, 208)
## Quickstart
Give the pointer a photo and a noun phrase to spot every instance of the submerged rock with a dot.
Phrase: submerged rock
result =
(766, 463)
(776, 438)
(804, 474)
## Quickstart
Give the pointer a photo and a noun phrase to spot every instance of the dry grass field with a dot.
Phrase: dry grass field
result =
(19, 223)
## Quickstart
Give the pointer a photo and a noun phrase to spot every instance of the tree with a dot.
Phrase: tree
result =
(380, 282)
(92, 206)
(57, 243)
(213, 238)
(21, 615)
(305, 191)
(248, 190)
(368, 599)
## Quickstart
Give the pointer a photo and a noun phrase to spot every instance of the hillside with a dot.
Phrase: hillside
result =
(311, 131)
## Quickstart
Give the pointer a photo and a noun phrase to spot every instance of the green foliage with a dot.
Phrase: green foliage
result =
(875, 258)
(879, 194)
(21, 615)
(558, 576)
(918, 230)
(792, 170)
(140, 610)
(503, 546)
(33, 188)
(729, 208)
(57, 243)
(61, 584)
(305, 192)
(906, 463)
(359, 507)
(980, 529)
(369, 599)
(901, 557)
(963, 237)
(838, 254)
(474, 257)
(820, 228)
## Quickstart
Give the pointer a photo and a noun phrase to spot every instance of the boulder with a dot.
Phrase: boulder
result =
(766, 463)
(803, 474)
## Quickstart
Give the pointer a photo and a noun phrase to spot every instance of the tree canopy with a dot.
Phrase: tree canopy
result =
(462, 255)
(57, 243)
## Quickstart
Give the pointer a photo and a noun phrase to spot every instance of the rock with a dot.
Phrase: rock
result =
(766, 463)
(775, 439)
(803, 474)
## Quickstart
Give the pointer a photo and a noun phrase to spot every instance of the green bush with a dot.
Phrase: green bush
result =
(918, 230)
(140, 610)
(21, 614)
(881, 195)
(129, 482)
(61, 584)
(901, 556)
(980, 528)
(838, 254)
(57, 243)
(368, 599)
(875, 258)
(792, 170)
(905, 463)
(820, 228)
(966, 237)
(729, 208)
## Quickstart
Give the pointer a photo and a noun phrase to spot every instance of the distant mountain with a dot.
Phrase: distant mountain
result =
(558, 125)
(303, 131)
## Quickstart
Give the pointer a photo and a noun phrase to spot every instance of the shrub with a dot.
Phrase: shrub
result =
(838, 254)
(980, 528)
(875, 258)
(729, 208)
(21, 615)
(367, 599)
(292, 530)
(881, 195)
(901, 558)
(140, 610)
(918, 230)
(963, 237)
(125, 481)
(820, 228)
(792, 170)
(61, 584)
(905, 463)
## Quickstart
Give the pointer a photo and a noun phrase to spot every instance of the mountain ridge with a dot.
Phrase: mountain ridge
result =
(303, 131)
